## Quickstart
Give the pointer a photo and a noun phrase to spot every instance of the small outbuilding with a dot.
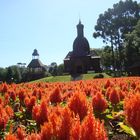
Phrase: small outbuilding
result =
(36, 65)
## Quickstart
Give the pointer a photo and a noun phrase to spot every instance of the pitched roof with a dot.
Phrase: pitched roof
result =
(35, 63)
(92, 53)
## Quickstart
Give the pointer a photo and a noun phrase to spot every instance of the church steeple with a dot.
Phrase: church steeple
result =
(35, 54)
(80, 27)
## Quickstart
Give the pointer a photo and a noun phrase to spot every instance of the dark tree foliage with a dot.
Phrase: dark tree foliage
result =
(114, 23)
(132, 43)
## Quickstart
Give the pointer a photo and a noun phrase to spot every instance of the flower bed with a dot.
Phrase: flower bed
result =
(99, 109)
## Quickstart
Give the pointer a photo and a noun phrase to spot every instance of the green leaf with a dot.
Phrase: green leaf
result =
(8, 125)
(127, 129)
(109, 117)
(19, 114)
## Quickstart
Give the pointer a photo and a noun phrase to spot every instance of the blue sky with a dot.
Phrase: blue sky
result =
(47, 25)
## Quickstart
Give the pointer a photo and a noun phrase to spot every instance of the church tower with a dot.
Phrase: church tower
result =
(80, 44)
(35, 54)
(80, 28)
(81, 59)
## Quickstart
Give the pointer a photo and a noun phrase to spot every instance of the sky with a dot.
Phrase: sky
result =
(46, 25)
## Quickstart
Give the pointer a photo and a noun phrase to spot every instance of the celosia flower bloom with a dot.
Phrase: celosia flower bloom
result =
(10, 137)
(114, 97)
(92, 129)
(30, 102)
(40, 113)
(78, 104)
(99, 102)
(132, 111)
(55, 96)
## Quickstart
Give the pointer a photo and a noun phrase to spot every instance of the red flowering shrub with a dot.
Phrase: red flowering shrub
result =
(30, 102)
(40, 113)
(11, 137)
(34, 136)
(5, 114)
(55, 96)
(20, 134)
(21, 95)
(132, 111)
(99, 102)
(114, 97)
(12, 95)
(58, 125)
(4, 88)
(75, 131)
(64, 111)
(92, 129)
(78, 104)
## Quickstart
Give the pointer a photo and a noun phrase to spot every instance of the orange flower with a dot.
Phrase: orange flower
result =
(108, 84)
(75, 131)
(34, 136)
(21, 95)
(55, 96)
(47, 131)
(10, 137)
(40, 113)
(30, 102)
(92, 129)
(132, 111)
(99, 102)
(21, 134)
(114, 97)
(4, 88)
(5, 114)
(78, 104)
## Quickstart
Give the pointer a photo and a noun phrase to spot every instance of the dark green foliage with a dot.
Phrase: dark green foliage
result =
(60, 69)
(133, 46)
(112, 26)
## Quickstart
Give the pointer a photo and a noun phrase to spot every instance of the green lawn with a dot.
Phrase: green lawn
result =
(69, 78)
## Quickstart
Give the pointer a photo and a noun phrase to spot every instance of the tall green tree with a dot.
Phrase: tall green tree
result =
(3, 73)
(132, 43)
(114, 23)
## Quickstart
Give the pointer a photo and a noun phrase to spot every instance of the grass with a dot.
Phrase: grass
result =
(67, 78)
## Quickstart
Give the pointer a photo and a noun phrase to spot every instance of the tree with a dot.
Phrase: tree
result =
(132, 43)
(9, 75)
(53, 69)
(60, 69)
(106, 57)
(2, 74)
(115, 23)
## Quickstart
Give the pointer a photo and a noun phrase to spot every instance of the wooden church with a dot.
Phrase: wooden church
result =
(82, 59)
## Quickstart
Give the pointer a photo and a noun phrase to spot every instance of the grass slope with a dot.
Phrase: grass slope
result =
(67, 78)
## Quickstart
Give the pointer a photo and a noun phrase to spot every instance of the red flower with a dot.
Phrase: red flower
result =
(21, 95)
(30, 102)
(4, 88)
(92, 129)
(55, 96)
(99, 102)
(132, 111)
(34, 136)
(5, 114)
(75, 132)
(40, 113)
(47, 131)
(21, 134)
(114, 97)
(78, 104)
(12, 95)
(10, 137)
